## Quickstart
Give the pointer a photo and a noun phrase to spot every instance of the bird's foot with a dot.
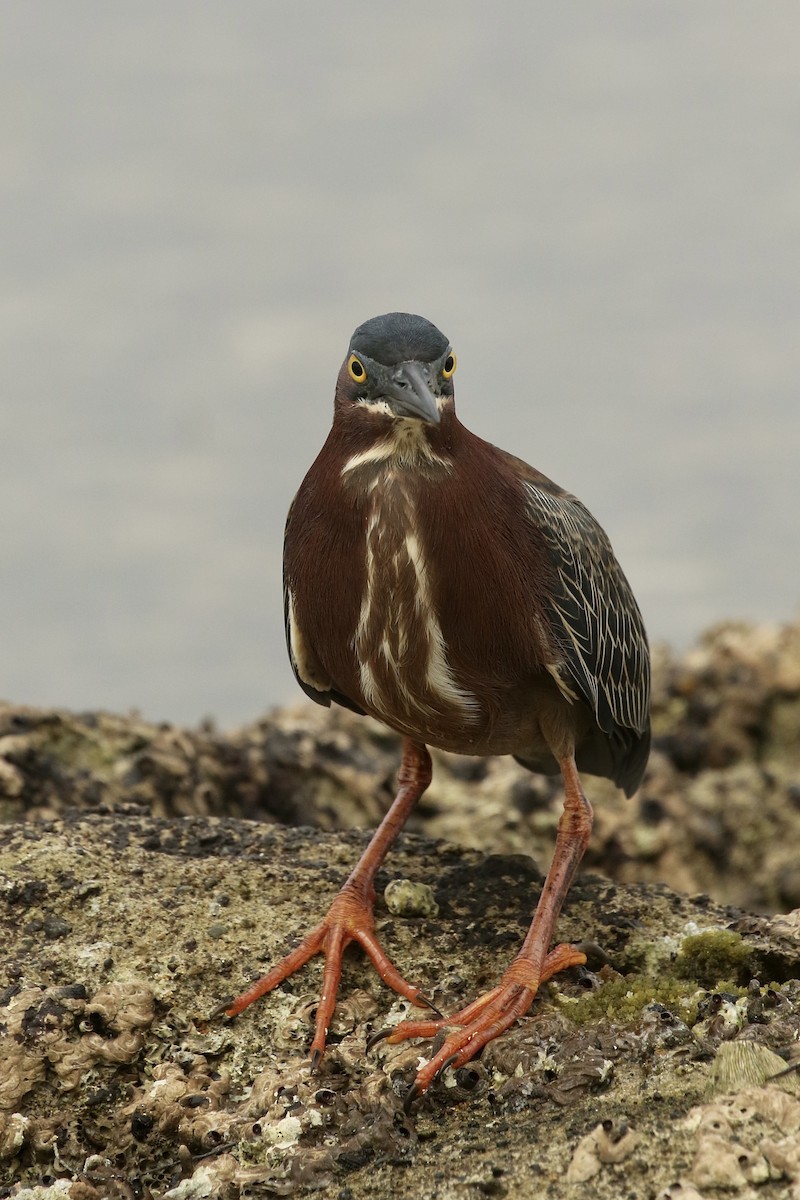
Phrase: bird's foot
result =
(484, 1019)
(349, 919)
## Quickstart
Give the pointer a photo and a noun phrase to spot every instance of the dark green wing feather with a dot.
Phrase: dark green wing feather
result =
(596, 624)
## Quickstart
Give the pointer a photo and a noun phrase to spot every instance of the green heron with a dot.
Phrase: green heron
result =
(462, 598)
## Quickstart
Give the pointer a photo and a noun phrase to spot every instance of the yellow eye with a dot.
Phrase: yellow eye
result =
(449, 366)
(356, 369)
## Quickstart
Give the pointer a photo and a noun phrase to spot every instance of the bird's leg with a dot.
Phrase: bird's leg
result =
(493, 1013)
(350, 916)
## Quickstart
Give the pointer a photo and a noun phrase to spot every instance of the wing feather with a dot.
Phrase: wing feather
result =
(594, 617)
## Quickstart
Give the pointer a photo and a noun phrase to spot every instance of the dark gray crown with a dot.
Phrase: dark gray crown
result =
(399, 337)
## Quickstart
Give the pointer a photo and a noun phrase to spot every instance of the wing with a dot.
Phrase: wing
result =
(308, 671)
(596, 624)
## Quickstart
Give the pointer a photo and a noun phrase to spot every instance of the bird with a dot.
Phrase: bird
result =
(458, 595)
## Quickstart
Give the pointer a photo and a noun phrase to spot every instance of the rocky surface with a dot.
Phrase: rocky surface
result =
(147, 873)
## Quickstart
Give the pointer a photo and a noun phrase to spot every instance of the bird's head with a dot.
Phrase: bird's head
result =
(397, 366)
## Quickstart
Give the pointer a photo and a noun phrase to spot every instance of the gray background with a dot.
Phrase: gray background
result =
(599, 204)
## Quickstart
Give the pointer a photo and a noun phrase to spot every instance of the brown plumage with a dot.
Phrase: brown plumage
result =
(464, 599)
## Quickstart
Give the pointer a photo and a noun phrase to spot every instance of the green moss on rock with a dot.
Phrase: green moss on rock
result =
(623, 999)
(715, 959)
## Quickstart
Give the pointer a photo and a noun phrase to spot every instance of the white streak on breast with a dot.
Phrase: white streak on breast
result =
(440, 676)
(368, 682)
(386, 630)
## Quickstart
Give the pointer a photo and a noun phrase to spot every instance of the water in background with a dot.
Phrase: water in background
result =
(600, 205)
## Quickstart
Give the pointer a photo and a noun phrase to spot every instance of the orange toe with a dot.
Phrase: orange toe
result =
(349, 919)
(491, 1014)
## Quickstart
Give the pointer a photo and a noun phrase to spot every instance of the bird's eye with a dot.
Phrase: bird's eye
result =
(356, 369)
(449, 366)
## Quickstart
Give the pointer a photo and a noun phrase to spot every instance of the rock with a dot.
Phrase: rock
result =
(148, 873)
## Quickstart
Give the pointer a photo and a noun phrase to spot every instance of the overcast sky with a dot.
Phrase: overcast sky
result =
(598, 204)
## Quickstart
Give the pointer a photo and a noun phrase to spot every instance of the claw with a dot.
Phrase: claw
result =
(410, 1097)
(316, 1058)
(448, 1062)
(423, 1002)
(788, 1071)
(220, 1011)
(380, 1036)
(418, 1089)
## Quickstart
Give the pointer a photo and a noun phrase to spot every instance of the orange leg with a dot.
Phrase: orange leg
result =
(350, 916)
(491, 1014)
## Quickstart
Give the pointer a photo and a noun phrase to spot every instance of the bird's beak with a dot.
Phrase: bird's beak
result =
(409, 391)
